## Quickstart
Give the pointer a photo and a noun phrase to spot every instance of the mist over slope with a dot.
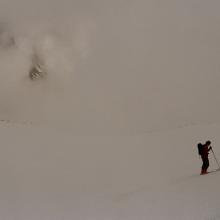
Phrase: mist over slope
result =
(119, 67)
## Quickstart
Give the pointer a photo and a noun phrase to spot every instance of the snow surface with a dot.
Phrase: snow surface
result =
(111, 132)
(51, 174)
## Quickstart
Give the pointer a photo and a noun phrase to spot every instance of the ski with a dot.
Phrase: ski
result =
(212, 171)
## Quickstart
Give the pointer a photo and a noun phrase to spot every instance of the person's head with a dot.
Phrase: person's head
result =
(199, 145)
(208, 143)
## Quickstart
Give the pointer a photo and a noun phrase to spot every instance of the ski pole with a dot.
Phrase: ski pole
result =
(215, 158)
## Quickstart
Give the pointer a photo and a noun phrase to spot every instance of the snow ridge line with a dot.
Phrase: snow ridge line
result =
(183, 126)
(16, 122)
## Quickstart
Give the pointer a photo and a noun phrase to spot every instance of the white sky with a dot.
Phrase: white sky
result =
(114, 66)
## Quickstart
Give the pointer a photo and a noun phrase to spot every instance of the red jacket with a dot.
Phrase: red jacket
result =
(205, 151)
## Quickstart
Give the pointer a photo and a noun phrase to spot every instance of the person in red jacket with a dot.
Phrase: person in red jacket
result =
(205, 157)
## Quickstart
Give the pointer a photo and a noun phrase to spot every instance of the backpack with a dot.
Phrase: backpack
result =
(200, 146)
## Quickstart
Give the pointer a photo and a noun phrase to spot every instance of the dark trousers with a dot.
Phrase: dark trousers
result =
(205, 163)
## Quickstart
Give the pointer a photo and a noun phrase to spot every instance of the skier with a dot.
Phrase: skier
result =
(204, 152)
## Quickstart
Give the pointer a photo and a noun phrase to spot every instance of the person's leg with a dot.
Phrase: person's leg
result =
(203, 166)
(206, 165)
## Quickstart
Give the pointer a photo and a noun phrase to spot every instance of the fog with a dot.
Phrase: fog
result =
(113, 67)
(76, 143)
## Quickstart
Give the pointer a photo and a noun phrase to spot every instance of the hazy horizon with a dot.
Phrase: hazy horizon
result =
(122, 67)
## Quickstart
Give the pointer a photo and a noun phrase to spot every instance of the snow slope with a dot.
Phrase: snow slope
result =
(120, 75)
(51, 174)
